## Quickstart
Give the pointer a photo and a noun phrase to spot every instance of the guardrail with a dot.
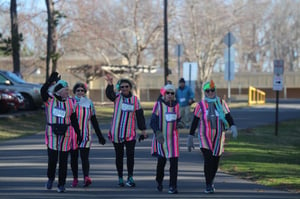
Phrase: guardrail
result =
(256, 96)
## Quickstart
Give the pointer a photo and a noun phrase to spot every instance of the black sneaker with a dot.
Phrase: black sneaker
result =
(61, 189)
(159, 187)
(130, 182)
(172, 190)
(49, 184)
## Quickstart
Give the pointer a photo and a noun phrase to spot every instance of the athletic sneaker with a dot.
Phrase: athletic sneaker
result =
(130, 182)
(121, 182)
(75, 182)
(87, 181)
(209, 189)
(159, 187)
(172, 190)
(49, 184)
(61, 189)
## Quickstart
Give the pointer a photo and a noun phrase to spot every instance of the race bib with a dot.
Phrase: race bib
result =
(171, 117)
(58, 112)
(84, 102)
(127, 107)
(182, 99)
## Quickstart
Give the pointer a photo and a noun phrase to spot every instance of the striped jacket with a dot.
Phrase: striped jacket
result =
(212, 139)
(165, 118)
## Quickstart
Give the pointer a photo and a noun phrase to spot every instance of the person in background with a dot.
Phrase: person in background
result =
(215, 118)
(122, 133)
(185, 97)
(60, 114)
(165, 121)
(86, 114)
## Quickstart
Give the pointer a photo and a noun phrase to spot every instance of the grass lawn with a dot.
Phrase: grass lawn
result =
(267, 159)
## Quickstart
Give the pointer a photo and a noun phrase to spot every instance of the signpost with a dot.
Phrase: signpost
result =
(178, 53)
(277, 86)
(229, 40)
(190, 73)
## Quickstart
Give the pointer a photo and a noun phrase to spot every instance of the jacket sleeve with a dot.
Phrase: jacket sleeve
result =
(194, 125)
(140, 119)
(229, 119)
(154, 122)
(110, 93)
(44, 91)
(95, 124)
(74, 123)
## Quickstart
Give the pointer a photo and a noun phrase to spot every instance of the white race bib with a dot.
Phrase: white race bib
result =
(59, 112)
(127, 107)
(171, 117)
(84, 102)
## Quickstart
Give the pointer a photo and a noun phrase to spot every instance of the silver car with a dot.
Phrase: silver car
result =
(30, 91)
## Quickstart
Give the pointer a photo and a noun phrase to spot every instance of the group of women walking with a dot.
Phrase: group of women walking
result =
(68, 129)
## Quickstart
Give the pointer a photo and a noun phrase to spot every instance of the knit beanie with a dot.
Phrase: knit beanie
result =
(60, 85)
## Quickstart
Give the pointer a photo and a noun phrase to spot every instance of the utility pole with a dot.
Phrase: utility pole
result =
(166, 40)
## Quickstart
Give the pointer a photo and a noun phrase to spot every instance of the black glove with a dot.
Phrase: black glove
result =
(54, 77)
(79, 139)
(101, 140)
(142, 137)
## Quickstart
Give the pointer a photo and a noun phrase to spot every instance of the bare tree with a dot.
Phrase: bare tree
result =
(15, 37)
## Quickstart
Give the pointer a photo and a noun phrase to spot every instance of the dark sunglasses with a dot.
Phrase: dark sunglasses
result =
(168, 93)
(79, 90)
(124, 86)
(210, 90)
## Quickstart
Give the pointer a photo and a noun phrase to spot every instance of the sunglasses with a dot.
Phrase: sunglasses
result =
(79, 90)
(168, 93)
(124, 86)
(210, 90)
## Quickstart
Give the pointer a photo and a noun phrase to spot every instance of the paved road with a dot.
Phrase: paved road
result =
(23, 164)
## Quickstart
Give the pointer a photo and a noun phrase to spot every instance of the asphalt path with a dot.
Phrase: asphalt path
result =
(23, 164)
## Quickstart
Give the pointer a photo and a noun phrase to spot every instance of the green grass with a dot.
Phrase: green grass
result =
(260, 156)
(21, 125)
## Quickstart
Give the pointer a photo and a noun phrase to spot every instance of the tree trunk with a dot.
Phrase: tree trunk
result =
(15, 39)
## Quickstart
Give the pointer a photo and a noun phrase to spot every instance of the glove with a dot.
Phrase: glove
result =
(180, 125)
(101, 140)
(159, 137)
(234, 131)
(190, 143)
(142, 137)
(79, 139)
(53, 77)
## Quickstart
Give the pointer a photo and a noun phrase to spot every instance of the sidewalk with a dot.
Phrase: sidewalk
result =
(23, 164)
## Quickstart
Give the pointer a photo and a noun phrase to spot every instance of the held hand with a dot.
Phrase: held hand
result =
(159, 137)
(101, 140)
(79, 139)
(143, 136)
(190, 143)
(180, 125)
(234, 131)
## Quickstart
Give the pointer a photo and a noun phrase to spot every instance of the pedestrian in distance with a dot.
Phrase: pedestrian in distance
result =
(86, 115)
(212, 118)
(165, 121)
(122, 133)
(185, 97)
(60, 115)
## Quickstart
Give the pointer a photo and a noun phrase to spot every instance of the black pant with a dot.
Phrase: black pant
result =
(84, 156)
(160, 168)
(211, 164)
(63, 164)
(119, 151)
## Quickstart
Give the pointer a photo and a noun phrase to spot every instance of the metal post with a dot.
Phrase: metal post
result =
(178, 61)
(276, 114)
(229, 97)
(166, 40)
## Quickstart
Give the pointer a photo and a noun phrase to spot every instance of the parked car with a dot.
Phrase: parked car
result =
(10, 101)
(30, 91)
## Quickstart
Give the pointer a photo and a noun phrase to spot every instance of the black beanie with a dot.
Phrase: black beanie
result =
(181, 80)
